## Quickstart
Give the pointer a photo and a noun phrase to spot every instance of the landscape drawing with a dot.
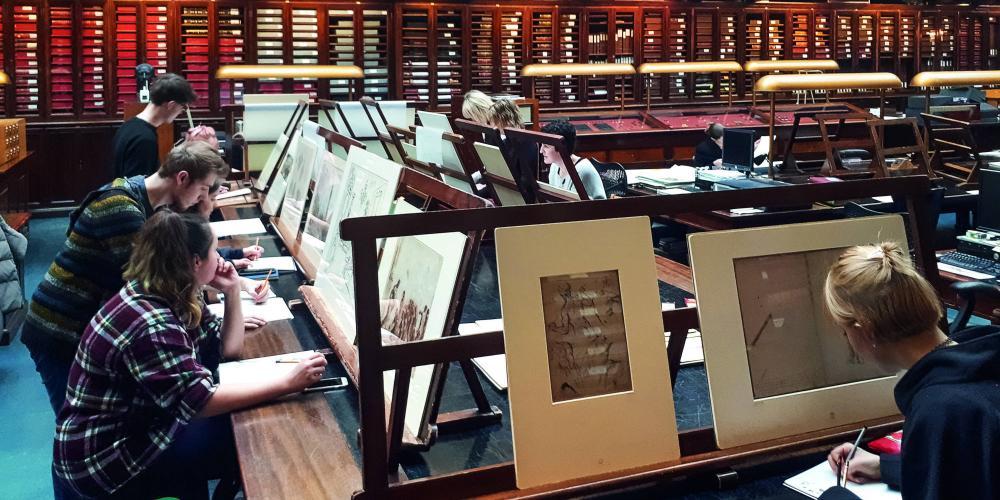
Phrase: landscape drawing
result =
(585, 335)
(328, 177)
(409, 291)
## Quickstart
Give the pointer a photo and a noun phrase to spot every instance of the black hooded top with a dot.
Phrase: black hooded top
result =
(951, 437)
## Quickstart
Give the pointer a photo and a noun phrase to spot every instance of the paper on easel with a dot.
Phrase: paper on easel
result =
(233, 194)
(429, 145)
(275, 309)
(820, 478)
(493, 367)
(237, 227)
(258, 370)
(276, 263)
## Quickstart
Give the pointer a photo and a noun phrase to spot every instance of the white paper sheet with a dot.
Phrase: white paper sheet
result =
(678, 174)
(493, 367)
(429, 147)
(815, 481)
(672, 191)
(237, 227)
(258, 370)
(276, 263)
(233, 194)
(963, 272)
(273, 310)
(883, 199)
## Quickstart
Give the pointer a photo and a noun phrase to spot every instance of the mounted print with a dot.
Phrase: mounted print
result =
(777, 364)
(417, 280)
(368, 188)
(583, 335)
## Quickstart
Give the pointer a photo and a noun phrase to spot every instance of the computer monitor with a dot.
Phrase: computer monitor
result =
(737, 149)
(988, 217)
(776, 362)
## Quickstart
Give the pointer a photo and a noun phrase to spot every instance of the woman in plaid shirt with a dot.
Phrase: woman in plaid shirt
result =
(140, 376)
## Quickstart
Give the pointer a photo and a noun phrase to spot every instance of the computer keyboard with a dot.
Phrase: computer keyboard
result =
(970, 262)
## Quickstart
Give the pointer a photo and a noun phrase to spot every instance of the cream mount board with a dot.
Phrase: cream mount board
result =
(583, 332)
(777, 364)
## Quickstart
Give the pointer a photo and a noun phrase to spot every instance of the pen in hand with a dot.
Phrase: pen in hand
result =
(845, 466)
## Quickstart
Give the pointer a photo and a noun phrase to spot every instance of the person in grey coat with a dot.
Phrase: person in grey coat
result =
(13, 246)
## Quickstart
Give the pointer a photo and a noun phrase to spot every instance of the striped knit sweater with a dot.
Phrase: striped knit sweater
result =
(88, 269)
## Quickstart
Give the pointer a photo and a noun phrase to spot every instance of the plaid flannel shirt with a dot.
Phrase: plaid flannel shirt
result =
(137, 380)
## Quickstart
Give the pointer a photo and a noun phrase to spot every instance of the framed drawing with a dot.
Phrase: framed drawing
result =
(293, 207)
(777, 363)
(583, 333)
(417, 279)
(368, 188)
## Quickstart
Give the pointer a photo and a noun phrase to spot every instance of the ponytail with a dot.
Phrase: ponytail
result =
(877, 288)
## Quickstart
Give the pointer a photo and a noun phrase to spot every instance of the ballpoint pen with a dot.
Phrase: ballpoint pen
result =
(847, 462)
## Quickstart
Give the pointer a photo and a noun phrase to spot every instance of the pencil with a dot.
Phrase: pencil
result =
(263, 285)
(286, 361)
(190, 120)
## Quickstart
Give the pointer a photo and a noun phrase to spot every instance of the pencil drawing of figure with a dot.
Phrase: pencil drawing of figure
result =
(585, 335)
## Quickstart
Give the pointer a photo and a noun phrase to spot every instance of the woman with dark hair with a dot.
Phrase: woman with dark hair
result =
(558, 174)
(136, 423)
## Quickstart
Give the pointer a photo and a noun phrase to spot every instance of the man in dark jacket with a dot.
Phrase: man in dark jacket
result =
(135, 148)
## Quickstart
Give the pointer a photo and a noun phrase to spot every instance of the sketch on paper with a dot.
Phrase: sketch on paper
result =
(328, 177)
(792, 344)
(298, 182)
(361, 195)
(585, 335)
(409, 290)
(368, 187)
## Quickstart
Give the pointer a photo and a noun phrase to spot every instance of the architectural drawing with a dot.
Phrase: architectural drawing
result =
(585, 335)
(792, 345)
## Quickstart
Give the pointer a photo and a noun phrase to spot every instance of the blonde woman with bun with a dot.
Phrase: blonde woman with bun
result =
(950, 393)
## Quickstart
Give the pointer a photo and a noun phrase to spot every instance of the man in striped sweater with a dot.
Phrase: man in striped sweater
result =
(88, 269)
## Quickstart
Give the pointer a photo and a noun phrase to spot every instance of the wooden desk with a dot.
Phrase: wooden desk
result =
(294, 448)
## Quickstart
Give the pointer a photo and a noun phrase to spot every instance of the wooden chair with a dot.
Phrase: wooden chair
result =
(841, 138)
(959, 145)
(899, 137)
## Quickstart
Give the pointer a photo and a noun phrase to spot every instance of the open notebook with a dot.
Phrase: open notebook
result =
(815, 481)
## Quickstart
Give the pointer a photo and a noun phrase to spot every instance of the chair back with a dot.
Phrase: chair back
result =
(612, 176)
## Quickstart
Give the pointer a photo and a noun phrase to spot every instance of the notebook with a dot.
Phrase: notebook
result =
(813, 482)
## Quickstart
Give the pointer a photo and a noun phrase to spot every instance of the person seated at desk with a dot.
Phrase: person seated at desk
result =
(521, 156)
(137, 422)
(257, 290)
(558, 175)
(135, 148)
(708, 153)
(949, 395)
(88, 269)
(476, 106)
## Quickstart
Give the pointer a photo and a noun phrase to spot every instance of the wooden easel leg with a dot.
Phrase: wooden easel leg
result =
(483, 414)
(397, 417)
